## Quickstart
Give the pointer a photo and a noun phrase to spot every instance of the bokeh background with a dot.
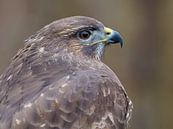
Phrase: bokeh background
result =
(144, 65)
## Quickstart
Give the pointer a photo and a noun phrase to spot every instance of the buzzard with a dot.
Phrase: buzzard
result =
(58, 81)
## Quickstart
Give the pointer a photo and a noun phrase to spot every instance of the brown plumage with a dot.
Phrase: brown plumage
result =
(57, 81)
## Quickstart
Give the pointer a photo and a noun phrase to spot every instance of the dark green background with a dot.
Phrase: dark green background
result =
(144, 65)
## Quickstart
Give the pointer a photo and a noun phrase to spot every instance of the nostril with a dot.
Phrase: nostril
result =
(108, 33)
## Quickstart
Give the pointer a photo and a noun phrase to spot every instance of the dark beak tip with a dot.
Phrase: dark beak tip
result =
(116, 38)
(121, 44)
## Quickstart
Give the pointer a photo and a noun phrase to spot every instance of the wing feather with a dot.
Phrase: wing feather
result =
(87, 100)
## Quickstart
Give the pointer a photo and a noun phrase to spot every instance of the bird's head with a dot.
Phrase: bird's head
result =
(81, 35)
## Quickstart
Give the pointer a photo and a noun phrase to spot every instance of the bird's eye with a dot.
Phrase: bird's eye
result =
(84, 35)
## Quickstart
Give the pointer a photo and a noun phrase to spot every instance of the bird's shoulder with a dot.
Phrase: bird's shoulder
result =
(82, 99)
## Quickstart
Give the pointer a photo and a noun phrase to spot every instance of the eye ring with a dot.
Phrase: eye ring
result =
(84, 35)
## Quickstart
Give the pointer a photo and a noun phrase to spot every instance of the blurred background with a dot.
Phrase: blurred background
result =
(144, 65)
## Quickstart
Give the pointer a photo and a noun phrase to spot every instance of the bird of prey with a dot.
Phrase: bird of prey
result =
(58, 81)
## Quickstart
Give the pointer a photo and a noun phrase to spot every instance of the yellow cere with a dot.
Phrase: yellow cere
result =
(108, 30)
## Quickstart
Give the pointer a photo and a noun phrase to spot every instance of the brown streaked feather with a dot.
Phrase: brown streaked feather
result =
(91, 100)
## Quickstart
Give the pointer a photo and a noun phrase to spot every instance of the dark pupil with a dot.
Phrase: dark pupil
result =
(84, 34)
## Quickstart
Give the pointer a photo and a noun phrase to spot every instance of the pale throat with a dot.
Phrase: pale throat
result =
(99, 51)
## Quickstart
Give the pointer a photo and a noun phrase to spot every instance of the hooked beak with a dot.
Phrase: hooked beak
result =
(112, 36)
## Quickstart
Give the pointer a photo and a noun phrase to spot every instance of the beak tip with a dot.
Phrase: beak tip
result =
(121, 44)
(115, 37)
